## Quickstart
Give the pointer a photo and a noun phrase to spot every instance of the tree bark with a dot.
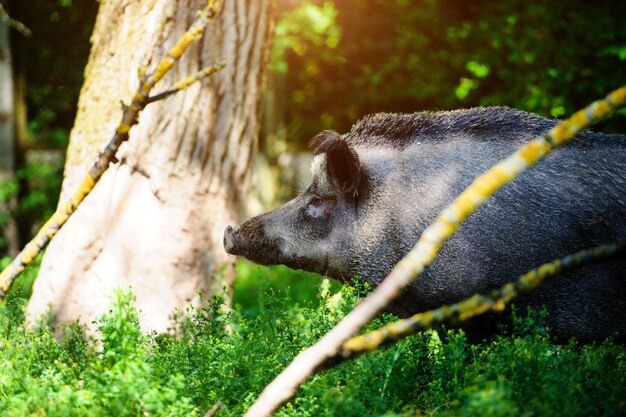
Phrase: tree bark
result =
(8, 227)
(155, 220)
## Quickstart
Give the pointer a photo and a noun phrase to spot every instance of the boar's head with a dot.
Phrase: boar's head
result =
(312, 231)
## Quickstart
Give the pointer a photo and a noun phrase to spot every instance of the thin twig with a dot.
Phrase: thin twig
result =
(187, 81)
(213, 411)
(17, 25)
(411, 266)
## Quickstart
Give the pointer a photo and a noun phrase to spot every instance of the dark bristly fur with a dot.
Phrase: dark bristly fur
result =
(377, 187)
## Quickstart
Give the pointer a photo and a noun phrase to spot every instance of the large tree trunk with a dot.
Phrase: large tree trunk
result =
(156, 219)
(8, 229)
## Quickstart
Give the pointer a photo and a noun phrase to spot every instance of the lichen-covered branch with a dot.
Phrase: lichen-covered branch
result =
(424, 252)
(130, 116)
(187, 81)
(478, 304)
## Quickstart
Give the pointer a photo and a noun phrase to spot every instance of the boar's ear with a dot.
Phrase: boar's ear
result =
(344, 169)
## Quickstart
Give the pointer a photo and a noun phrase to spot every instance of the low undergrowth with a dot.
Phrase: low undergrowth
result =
(215, 355)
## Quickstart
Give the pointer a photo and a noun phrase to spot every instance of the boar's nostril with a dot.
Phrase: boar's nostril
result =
(228, 239)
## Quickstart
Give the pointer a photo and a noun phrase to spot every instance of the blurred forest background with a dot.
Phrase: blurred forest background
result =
(331, 63)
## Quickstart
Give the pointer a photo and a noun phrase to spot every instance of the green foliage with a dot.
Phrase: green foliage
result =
(308, 27)
(48, 73)
(23, 285)
(37, 186)
(44, 186)
(527, 375)
(8, 190)
(51, 62)
(216, 354)
(546, 57)
(79, 378)
(255, 283)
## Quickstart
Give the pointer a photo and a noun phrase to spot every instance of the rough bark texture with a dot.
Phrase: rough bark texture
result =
(8, 228)
(155, 221)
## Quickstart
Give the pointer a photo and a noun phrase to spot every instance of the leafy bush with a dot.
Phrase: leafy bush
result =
(36, 186)
(216, 354)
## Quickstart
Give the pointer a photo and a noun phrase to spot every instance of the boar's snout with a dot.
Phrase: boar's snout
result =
(229, 240)
(249, 240)
(236, 240)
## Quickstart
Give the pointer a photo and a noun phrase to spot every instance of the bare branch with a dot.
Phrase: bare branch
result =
(411, 266)
(475, 305)
(213, 411)
(19, 26)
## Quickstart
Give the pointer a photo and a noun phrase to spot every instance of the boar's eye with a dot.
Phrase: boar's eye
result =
(319, 207)
(316, 201)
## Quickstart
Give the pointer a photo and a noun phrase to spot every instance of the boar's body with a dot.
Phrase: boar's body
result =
(376, 188)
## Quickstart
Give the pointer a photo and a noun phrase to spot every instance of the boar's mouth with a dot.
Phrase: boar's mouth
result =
(250, 241)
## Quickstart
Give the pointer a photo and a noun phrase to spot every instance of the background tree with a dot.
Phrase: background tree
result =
(46, 78)
(155, 220)
(8, 230)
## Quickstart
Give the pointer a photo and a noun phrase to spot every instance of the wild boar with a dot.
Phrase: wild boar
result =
(377, 187)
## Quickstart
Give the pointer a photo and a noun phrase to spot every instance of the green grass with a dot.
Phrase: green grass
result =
(229, 357)
(255, 283)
